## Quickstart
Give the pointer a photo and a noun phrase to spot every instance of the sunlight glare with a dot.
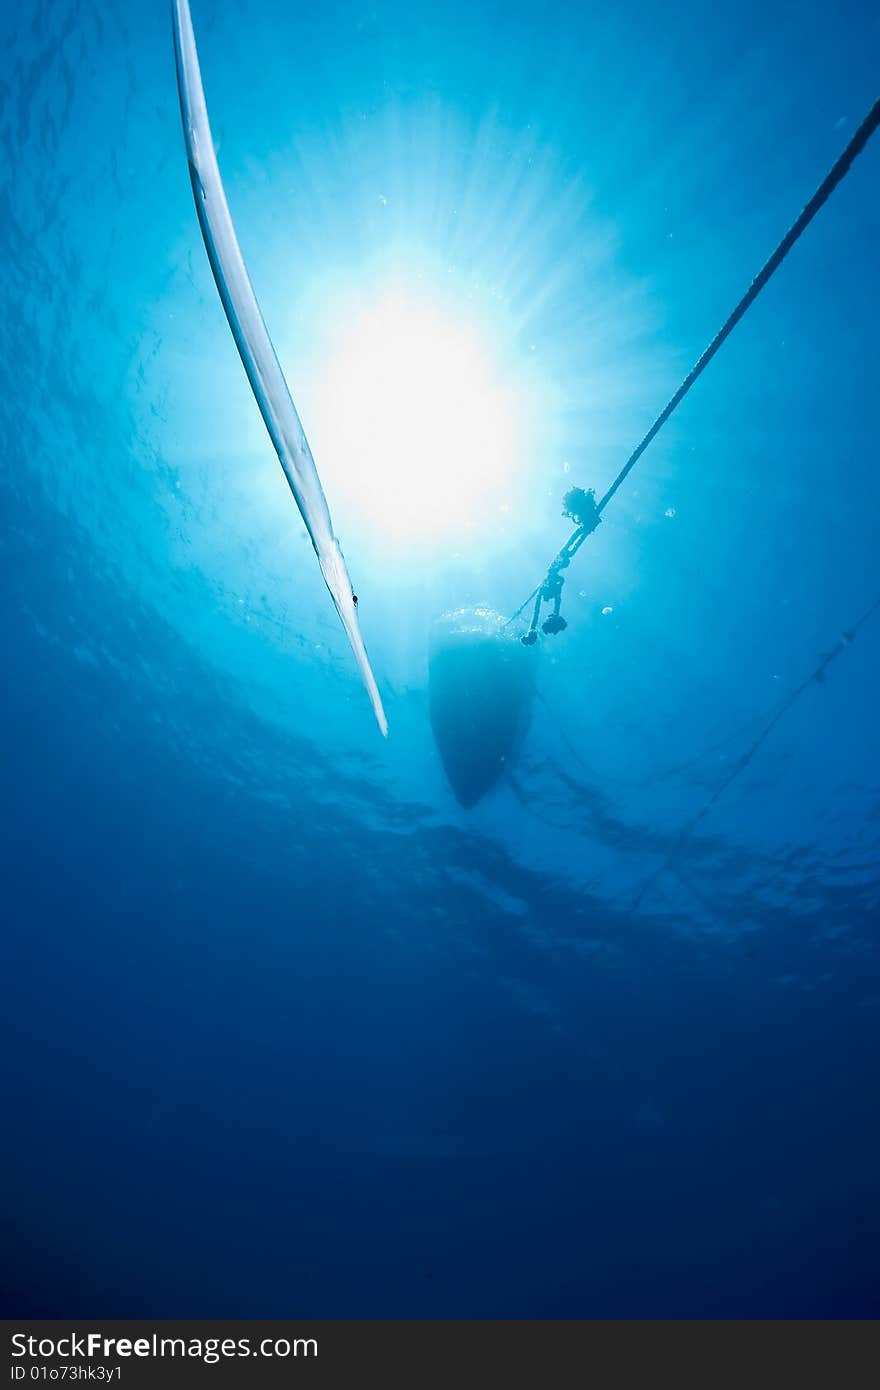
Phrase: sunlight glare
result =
(417, 430)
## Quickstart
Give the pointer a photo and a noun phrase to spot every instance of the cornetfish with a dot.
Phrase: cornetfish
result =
(255, 346)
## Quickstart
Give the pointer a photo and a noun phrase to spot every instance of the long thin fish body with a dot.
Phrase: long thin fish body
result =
(255, 346)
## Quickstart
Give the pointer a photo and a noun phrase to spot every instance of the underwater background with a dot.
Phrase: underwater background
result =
(286, 1031)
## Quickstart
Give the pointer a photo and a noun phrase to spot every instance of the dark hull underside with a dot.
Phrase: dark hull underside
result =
(480, 697)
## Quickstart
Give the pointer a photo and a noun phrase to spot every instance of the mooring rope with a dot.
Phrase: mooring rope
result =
(553, 579)
(816, 676)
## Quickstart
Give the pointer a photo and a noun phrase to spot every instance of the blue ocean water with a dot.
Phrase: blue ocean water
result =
(286, 1031)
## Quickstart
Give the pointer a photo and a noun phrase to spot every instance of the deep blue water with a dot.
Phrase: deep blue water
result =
(285, 1030)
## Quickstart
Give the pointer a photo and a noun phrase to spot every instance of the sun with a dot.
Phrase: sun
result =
(419, 428)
